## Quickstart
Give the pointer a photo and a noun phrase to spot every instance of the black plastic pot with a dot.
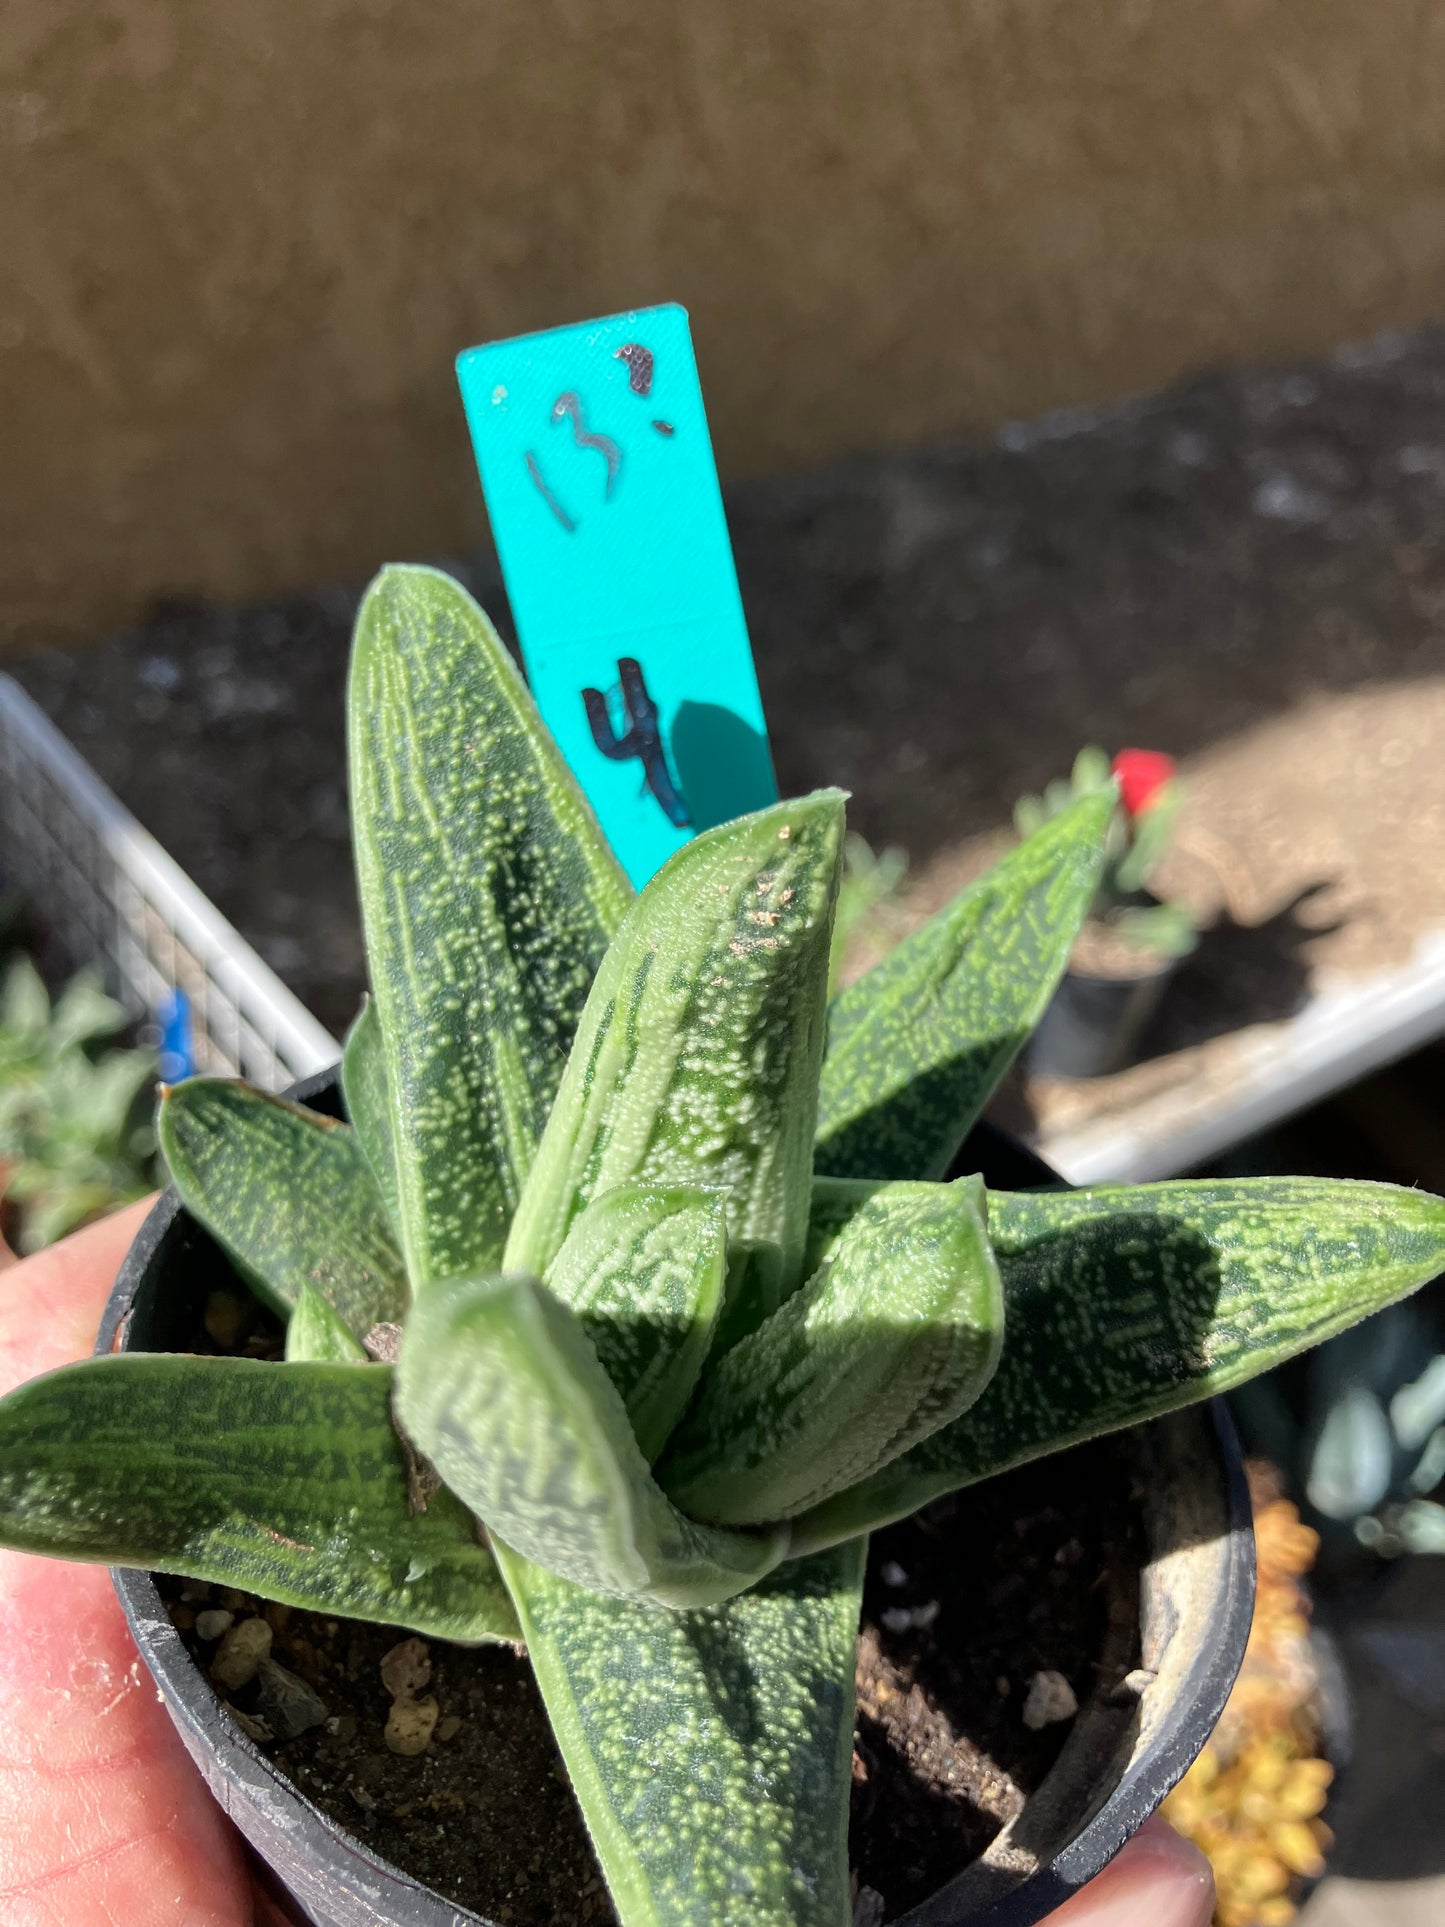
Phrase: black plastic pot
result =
(1093, 1025)
(1121, 1758)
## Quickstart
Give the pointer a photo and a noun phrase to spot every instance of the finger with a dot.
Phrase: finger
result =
(103, 1819)
(1158, 1880)
(50, 1304)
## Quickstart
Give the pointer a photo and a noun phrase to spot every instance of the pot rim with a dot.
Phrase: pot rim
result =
(245, 1780)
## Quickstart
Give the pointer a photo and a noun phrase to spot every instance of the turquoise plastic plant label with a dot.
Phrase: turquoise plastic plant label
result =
(597, 466)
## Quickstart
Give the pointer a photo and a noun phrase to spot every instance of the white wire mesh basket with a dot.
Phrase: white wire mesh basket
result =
(108, 895)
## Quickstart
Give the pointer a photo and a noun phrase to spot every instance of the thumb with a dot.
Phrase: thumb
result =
(1158, 1880)
(102, 1815)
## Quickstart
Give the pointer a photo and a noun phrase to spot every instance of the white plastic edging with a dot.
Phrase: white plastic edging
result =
(63, 832)
(1352, 1027)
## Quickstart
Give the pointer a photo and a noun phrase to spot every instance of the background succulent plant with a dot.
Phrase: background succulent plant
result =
(1149, 799)
(642, 1254)
(74, 1141)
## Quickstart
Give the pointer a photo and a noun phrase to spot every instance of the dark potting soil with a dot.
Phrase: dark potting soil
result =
(966, 1605)
(1247, 571)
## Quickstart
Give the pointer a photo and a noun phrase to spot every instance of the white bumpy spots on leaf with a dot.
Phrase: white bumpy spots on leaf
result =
(916, 1045)
(895, 1334)
(644, 1269)
(488, 896)
(710, 1749)
(1127, 1301)
(288, 1194)
(696, 1061)
(501, 1388)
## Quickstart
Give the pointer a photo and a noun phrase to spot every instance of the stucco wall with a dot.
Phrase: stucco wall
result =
(240, 240)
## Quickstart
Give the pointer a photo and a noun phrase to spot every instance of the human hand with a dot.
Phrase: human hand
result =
(104, 1822)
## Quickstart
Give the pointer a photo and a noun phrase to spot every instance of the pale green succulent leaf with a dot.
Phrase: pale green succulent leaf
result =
(1124, 1302)
(917, 1045)
(316, 1333)
(696, 1061)
(284, 1480)
(710, 1750)
(644, 1268)
(895, 1335)
(368, 1105)
(501, 1389)
(288, 1195)
(488, 896)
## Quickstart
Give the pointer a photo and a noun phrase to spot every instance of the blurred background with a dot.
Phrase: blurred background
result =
(1077, 378)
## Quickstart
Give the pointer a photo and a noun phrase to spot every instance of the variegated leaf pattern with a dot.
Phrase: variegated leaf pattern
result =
(284, 1480)
(287, 1193)
(368, 1105)
(1122, 1302)
(710, 1750)
(500, 1388)
(917, 1044)
(644, 1268)
(696, 1061)
(488, 896)
(895, 1335)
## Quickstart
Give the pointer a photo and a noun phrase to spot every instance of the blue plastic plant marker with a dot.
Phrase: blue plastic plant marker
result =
(176, 1051)
(598, 471)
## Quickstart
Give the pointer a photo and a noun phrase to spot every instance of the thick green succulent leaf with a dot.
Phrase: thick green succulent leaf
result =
(317, 1334)
(644, 1268)
(893, 1337)
(368, 1107)
(917, 1044)
(287, 1193)
(488, 896)
(696, 1061)
(710, 1751)
(500, 1388)
(1123, 1302)
(285, 1480)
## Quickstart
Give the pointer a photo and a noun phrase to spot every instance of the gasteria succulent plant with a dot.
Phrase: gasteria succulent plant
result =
(75, 1140)
(642, 1255)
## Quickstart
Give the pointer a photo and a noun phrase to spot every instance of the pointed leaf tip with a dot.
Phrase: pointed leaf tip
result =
(1127, 1301)
(696, 1060)
(917, 1045)
(488, 896)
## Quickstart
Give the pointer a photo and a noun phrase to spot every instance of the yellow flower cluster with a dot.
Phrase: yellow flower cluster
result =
(1253, 1798)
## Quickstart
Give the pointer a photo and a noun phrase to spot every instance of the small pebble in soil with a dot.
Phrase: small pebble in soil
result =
(1050, 1699)
(410, 1725)
(892, 1574)
(449, 1728)
(213, 1622)
(287, 1704)
(238, 1658)
(868, 1908)
(1134, 1685)
(903, 1619)
(406, 1668)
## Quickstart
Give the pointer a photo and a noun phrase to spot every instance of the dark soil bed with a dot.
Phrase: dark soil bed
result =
(966, 1604)
(1247, 571)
